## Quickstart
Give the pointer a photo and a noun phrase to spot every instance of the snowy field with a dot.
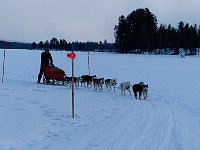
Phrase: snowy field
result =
(38, 117)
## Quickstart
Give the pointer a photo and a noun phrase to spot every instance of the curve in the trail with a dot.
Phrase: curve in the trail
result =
(137, 124)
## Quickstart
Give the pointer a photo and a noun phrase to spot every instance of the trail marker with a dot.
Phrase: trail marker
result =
(72, 56)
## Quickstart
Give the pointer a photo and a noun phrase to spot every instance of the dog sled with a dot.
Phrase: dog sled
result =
(54, 75)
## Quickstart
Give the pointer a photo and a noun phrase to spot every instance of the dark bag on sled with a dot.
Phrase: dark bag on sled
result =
(57, 70)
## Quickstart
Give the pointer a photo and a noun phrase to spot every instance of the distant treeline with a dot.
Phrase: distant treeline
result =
(61, 44)
(14, 45)
(136, 33)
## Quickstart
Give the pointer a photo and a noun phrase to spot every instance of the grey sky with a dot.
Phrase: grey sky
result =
(84, 20)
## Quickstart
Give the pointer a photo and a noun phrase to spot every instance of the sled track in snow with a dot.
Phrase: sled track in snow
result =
(134, 123)
(167, 124)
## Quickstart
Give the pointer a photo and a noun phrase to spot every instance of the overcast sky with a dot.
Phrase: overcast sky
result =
(84, 20)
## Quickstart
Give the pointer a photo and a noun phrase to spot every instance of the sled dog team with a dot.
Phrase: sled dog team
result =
(138, 89)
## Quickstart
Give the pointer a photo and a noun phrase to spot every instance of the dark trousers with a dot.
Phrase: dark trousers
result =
(40, 73)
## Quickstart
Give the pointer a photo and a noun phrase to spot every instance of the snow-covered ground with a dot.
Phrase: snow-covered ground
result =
(38, 117)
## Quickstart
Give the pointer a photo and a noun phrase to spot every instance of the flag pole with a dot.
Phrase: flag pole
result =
(3, 68)
(88, 62)
(72, 88)
(72, 82)
(72, 56)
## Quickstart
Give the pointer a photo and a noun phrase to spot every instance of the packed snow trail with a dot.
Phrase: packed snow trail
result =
(137, 124)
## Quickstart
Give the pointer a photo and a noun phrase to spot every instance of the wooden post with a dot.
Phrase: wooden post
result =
(72, 88)
(72, 55)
